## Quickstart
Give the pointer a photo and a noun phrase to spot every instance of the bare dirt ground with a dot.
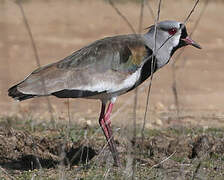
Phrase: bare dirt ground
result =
(62, 27)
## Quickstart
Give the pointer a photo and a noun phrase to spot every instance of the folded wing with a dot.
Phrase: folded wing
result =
(103, 66)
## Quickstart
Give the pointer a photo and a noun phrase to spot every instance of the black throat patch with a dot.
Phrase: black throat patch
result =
(181, 42)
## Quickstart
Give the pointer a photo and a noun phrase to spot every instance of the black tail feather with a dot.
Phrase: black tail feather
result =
(14, 93)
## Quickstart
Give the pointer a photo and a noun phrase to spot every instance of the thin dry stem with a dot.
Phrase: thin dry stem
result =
(69, 118)
(26, 23)
(196, 171)
(152, 70)
(5, 172)
(192, 10)
(174, 65)
(136, 97)
(122, 16)
(161, 162)
(150, 9)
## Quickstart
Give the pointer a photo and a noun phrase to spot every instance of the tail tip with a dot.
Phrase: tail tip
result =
(17, 95)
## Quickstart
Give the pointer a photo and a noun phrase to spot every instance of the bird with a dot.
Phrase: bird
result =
(106, 69)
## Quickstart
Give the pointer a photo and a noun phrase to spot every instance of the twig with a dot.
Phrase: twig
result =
(29, 33)
(152, 70)
(101, 151)
(3, 170)
(175, 92)
(199, 18)
(69, 118)
(136, 98)
(175, 67)
(141, 16)
(194, 28)
(105, 176)
(196, 170)
(151, 77)
(35, 54)
(150, 9)
(122, 16)
(192, 10)
(161, 162)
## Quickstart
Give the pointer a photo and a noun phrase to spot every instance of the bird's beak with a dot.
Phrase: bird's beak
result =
(189, 41)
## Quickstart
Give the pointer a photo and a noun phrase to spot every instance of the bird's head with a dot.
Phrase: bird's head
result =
(170, 36)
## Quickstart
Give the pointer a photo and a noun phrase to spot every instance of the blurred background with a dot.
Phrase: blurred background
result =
(62, 27)
(57, 138)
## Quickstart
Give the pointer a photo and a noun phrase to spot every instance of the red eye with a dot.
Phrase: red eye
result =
(172, 31)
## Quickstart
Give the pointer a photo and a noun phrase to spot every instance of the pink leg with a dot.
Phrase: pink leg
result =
(105, 125)
(107, 115)
(102, 121)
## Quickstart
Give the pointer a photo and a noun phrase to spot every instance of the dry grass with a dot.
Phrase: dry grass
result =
(39, 151)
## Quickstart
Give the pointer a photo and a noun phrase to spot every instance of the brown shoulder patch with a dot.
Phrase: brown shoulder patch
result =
(138, 54)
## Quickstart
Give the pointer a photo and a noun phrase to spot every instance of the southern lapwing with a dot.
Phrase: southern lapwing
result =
(106, 69)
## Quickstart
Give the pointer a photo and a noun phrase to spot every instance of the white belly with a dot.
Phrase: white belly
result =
(114, 90)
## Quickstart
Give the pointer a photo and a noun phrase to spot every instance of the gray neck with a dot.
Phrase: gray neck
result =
(163, 53)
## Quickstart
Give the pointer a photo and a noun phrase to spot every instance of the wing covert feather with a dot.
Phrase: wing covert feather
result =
(97, 67)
